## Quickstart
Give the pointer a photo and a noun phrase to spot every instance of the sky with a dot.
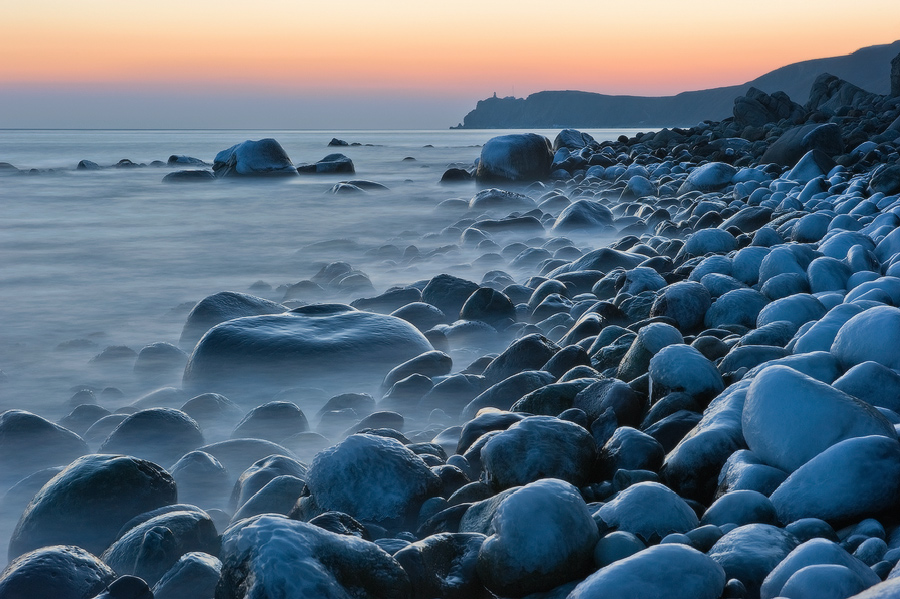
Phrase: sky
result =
(350, 64)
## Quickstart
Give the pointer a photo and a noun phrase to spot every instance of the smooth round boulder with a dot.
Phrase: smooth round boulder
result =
(150, 549)
(278, 496)
(374, 479)
(263, 471)
(628, 511)
(851, 479)
(686, 303)
(57, 571)
(29, 443)
(201, 480)
(489, 306)
(193, 576)
(161, 435)
(749, 553)
(272, 556)
(583, 215)
(705, 241)
(672, 570)
(319, 343)
(448, 294)
(87, 503)
(520, 558)
(682, 368)
(797, 309)
(711, 176)
(515, 158)
(538, 447)
(443, 565)
(872, 383)
(741, 306)
(790, 418)
(222, 306)
(813, 553)
(741, 507)
(823, 581)
(273, 421)
(869, 336)
(264, 157)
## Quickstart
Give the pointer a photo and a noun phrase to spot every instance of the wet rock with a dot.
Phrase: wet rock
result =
(515, 158)
(87, 503)
(61, 572)
(264, 157)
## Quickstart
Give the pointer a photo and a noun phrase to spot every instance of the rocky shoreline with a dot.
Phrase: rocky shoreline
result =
(706, 407)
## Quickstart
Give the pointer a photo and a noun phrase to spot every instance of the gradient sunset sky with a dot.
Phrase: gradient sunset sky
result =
(389, 64)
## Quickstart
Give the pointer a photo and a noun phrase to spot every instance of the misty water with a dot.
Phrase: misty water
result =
(116, 257)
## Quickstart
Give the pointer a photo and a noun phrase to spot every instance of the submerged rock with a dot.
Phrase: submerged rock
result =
(325, 342)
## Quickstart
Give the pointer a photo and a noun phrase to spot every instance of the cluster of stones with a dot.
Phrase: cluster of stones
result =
(707, 407)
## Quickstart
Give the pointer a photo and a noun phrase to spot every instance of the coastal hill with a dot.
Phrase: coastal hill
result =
(868, 68)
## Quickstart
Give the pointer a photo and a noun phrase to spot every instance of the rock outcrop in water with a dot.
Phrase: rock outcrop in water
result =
(704, 406)
(262, 158)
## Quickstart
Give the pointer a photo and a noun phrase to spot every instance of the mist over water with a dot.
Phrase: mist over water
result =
(115, 257)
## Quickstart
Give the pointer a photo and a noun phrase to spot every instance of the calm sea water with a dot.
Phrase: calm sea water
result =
(116, 257)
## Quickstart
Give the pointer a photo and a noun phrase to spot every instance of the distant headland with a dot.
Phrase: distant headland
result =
(867, 68)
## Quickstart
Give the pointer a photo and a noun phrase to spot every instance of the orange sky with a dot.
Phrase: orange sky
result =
(649, 47)
(466, 48)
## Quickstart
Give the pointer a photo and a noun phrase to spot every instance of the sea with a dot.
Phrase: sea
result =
(115, 257)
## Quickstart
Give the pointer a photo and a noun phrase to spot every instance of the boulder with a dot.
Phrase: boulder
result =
(443, 565)
(324, 342)
(264, 157)
(374, 479)
(794, 143)
(672, 570)
(87, 503)
(273, 421)
(331, 164)
(539, 447)
(515, 158)
(194, 575)
(855, 478)
(220, 307)
(272, 556)
(628, 511)
(869, 336)
(150, 549)
(789, 418)
(29, 443)
(815, 552)
(749, 553)
(500, 202)
(60, 572)
(161, 435)
(520, 558)
(583, 215)
(712, 176)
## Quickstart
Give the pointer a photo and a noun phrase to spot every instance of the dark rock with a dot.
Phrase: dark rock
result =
(60, 572)
(89, 501)
(265, 157)
(151, 548)
(189, 176)
(796, 142)
(273, 421)
(161, 435)
(331, 342)
(515, 158)
(218, 308)
(331, 164)
(29, 443)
